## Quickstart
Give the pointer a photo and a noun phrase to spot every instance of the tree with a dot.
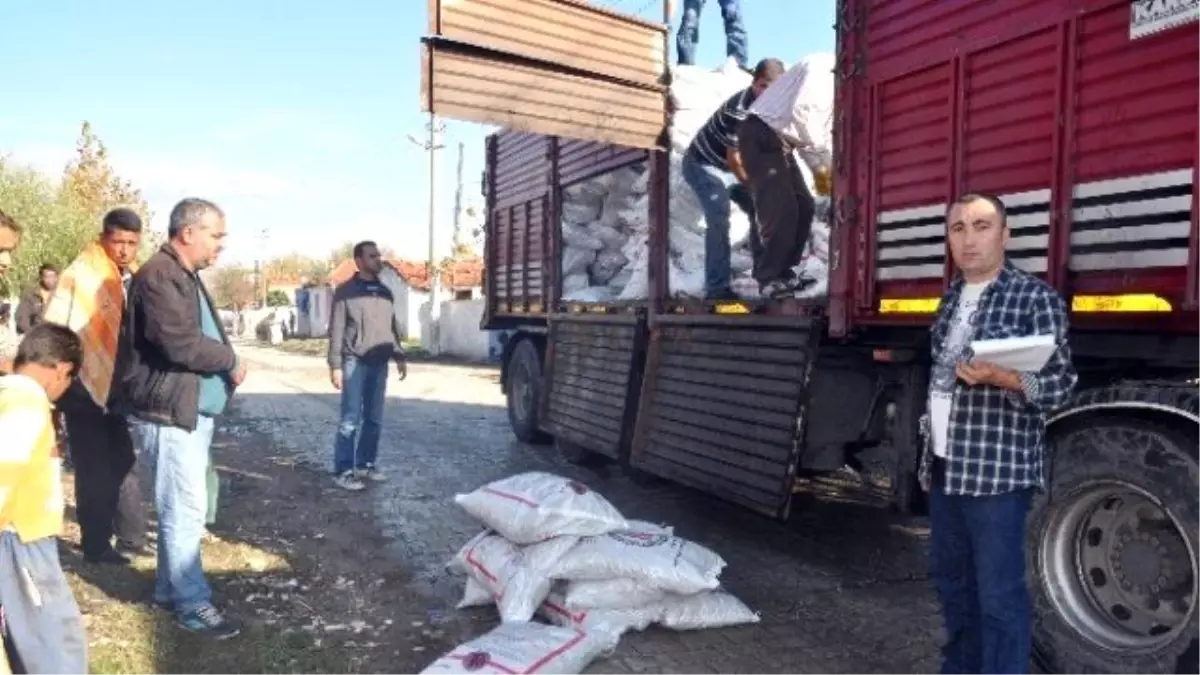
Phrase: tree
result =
(295, 267)
(277, 298)
(60, 218)
(232, 288)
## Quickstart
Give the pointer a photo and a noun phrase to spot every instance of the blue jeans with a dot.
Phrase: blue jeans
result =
(712, 188)
(40, 614)
(364, 388)
(178, 460)
(977, 561)
(689, 31)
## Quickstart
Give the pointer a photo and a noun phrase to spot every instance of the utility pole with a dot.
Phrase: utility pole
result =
(458, 196)
(263, 235)
(432, 146)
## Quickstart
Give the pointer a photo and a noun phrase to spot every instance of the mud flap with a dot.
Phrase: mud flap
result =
(723, 405)
(594, 371)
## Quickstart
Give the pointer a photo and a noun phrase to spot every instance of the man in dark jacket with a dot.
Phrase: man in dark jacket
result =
(363, 334)
(175, 374)
(33, 303)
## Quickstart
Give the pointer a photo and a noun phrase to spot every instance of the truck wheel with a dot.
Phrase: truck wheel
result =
(524, 392)
(1113, 550)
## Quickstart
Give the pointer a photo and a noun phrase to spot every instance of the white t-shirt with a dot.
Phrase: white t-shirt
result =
(942, 378)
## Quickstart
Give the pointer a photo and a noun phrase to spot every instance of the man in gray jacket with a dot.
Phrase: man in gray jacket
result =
(363, 334)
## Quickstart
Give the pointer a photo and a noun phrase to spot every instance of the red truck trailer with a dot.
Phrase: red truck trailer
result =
(1080, 114)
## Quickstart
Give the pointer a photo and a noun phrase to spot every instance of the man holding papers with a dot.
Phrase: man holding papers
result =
(985, 437)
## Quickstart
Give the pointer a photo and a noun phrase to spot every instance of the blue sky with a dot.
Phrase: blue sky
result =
(294, 116)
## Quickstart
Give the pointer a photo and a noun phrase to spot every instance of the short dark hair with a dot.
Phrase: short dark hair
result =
(46, 267)
(188, 212)
(49, 344)
(768, 67)
(360, 248)
(7, 222)
(972, 197)
(126, 220)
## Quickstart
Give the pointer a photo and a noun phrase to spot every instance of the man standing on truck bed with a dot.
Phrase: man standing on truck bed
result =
(689, 30)
(363, 334)
(709, 166)
(985, 441)
(776, 124)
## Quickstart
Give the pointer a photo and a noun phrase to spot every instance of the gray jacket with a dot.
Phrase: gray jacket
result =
(364, 324)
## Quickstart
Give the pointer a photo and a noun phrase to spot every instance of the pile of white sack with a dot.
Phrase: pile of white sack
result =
(554, 549)
(606, 220)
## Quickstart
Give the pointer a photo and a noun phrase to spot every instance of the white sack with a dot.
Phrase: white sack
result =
(535, 506)
(475, 594)
(712, 609)
(611, 237)
(578, 236)
(592, 191)
(518, 578)
(610, 594)
(574, 283)
(581, 213)
(575, 260)
(526, 648)
(606, 266)
(653, 558)
(612, 621)
(590, 294)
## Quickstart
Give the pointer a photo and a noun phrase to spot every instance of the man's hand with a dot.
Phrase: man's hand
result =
(238, 376)
(335, 378)
(982, 372)
(402, 365)
(822, 180)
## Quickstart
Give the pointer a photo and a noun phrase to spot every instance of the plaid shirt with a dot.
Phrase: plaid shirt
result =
(996, 439)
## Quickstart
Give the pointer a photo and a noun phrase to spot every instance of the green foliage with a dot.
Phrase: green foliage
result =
(60, 218)
(231, 287)
(277, 298)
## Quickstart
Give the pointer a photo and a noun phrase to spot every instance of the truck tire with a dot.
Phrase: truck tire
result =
(523, 391)
(1112, 550)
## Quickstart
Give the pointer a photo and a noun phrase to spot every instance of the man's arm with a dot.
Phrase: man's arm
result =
(734, 158)
(1049, 389)
(337, 330)
(176, 335)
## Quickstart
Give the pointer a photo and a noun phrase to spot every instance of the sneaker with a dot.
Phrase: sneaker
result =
(146, 550)
(780, 288)
(369, 472)
(209, 621)
(348, 481)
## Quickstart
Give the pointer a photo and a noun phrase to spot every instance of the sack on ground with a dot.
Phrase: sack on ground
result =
(613, 621)
(531, 507)
(711, 609)
(517, 578)
(526, 648)
(610, 594)
(653, 558)
(475, 594)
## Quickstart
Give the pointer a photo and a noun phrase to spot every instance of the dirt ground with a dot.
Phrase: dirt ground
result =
(297, 560)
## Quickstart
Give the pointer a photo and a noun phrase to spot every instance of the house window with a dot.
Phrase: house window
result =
(463, 295)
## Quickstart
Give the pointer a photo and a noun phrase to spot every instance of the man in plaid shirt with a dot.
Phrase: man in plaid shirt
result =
(985, 436)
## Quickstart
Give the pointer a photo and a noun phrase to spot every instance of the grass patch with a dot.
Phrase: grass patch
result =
(320, 347)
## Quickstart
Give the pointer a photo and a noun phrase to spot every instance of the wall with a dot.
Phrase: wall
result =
(460, 335)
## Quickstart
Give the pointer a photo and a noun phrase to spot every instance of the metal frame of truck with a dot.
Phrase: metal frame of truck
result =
(1099, 165)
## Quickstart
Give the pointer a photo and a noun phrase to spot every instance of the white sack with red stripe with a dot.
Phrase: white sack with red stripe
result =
(526, 648)
(535, 506)
(614, 621)
(516, 577)
(651, 557)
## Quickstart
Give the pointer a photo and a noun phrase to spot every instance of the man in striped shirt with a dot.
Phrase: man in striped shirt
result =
(787, 117)
(710, 166)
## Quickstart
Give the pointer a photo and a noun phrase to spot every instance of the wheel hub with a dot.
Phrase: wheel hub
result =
(1119, 568)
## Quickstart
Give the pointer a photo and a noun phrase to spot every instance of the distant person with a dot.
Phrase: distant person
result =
(689, 31)
(712, 165)
(364, 334)
(33, 303)
(775, 128)
(90, 300)
(176, 372)
(43, 626)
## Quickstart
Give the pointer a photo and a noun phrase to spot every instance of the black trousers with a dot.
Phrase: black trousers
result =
(108, 497)
(783, 205)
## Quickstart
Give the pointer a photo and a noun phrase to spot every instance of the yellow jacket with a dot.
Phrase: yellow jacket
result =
(31, 497)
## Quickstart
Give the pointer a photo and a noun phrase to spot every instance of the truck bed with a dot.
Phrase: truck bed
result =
(1081, 120)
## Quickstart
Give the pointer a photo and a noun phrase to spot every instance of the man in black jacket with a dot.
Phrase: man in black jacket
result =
(175, 373)
(33, 303)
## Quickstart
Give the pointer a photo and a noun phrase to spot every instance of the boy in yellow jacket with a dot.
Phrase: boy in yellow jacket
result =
(42, 622)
